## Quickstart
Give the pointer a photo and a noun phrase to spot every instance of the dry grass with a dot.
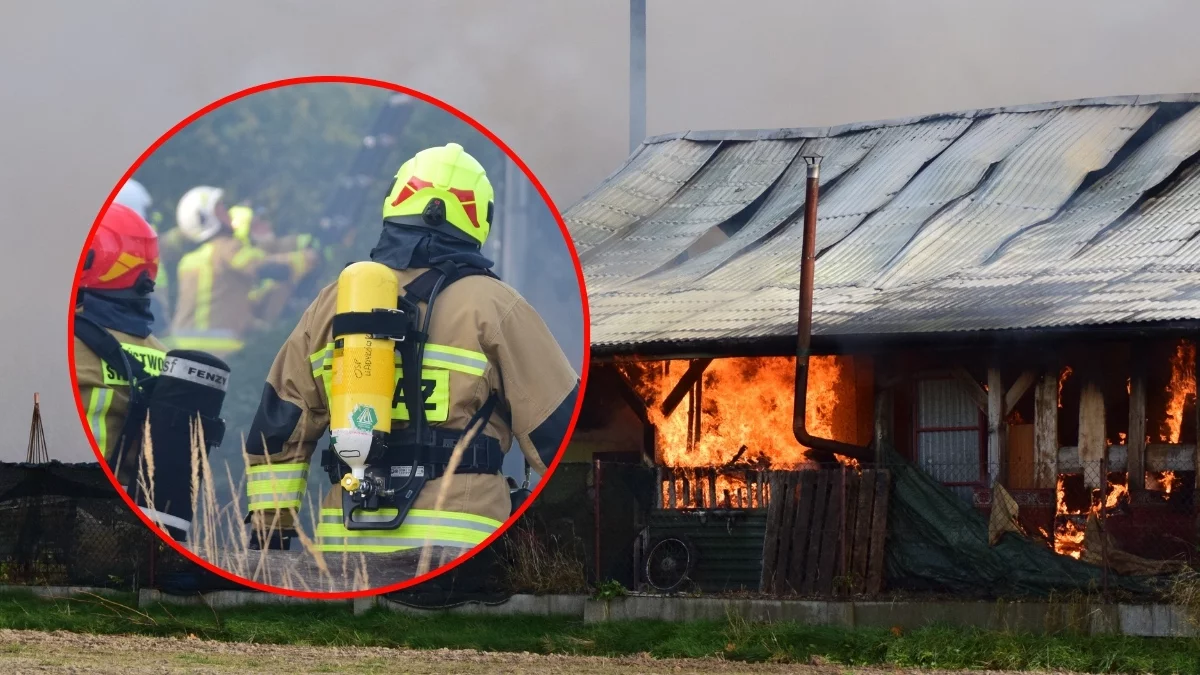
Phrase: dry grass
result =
(1184, 592)
(220, 537)
(533, 565)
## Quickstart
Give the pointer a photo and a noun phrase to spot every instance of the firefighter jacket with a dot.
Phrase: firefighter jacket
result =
(483, 338)
(214, 307)
(104, 393)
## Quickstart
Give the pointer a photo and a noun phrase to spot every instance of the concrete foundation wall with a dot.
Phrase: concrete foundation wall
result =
(1023, 617)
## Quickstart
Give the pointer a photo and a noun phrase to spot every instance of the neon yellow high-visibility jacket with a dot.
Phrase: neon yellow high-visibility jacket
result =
(104, 393)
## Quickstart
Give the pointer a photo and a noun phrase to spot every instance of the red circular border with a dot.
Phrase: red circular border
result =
(345, 595)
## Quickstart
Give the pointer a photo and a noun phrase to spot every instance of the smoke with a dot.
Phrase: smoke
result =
(90, 85)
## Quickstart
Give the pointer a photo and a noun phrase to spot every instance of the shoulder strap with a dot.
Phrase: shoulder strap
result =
(422, 289)
(419, 289)
(109, 348)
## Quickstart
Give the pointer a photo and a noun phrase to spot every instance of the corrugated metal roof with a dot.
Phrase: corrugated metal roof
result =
(1050, 215)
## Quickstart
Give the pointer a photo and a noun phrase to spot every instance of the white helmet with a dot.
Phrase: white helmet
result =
(196, 214)
(135, 196)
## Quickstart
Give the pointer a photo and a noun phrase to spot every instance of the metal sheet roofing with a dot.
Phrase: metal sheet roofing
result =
(1065, 214)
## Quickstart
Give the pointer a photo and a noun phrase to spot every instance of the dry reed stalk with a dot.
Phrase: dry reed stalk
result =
(447, 481)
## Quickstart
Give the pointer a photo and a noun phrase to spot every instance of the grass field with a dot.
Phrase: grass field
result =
(334, 625)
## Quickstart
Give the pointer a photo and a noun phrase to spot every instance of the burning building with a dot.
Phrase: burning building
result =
(1004, 297)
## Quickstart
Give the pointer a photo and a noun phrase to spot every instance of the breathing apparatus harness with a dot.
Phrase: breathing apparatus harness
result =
(401, 462)
(191, 385)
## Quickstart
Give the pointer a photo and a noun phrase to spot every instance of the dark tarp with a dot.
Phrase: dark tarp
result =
(937, 542)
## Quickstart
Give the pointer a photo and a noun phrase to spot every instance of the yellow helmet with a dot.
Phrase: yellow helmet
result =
(443, 186)
(240, 218)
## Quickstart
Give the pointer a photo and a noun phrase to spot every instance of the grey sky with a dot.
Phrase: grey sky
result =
(89, 85)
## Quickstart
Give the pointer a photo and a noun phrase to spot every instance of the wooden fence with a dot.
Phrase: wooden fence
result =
(826, 532)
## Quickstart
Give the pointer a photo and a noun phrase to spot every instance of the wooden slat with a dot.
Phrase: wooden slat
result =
(771, 540)
(827, 567)
(816, 530)
(801, 524)
(847, 563)
(786, 530)
(1045, 423)
(878, 533)
(862, 530)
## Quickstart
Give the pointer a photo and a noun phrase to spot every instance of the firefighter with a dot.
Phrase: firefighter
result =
(488, 356)
(134, 195)
(114, 293)
(126, 376)
(213, 311)
(269, 298)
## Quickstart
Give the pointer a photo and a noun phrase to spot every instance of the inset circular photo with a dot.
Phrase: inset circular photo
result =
(249, 312)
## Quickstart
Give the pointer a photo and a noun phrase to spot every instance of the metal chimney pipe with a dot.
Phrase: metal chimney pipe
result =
(823, 448)
(637, 73)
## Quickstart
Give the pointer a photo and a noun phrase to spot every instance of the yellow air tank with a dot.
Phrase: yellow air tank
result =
(364, 369)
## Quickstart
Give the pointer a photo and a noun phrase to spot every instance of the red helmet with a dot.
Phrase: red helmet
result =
(124, 248)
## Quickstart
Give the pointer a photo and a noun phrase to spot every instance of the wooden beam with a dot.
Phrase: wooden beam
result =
(684, 385)
(1135, 441)
(1045, 425)
(971, 387)
(1022, 385)
(885, 424)
(1092, 439)
(997, 462)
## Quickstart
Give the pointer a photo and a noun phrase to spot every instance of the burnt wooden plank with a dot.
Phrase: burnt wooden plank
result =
(827, 566)
(816, 530)
(862, 530)
(851, 510)
(798, 535)
(788, 495)
(771, 539)
(878, 533)
(684, 386)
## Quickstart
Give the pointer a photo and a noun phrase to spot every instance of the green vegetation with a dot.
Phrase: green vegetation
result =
(333, 625)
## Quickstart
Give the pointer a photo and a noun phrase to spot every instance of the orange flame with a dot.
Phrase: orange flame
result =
(1182, 386)
(1071, 523)
(1160, 481)
(746, 411)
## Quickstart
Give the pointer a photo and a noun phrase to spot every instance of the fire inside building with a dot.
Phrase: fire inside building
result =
(1002, 387)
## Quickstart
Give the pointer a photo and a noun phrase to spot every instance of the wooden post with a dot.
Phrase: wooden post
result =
(997, 461)
(885, 409)
(1135, 441)
(1045, 442)
(1093, 445)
